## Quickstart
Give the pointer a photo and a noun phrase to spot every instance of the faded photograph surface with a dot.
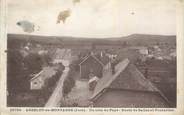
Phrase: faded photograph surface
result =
(91, 53)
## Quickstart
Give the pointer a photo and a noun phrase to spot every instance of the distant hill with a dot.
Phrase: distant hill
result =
(134, 39)
(145, 39)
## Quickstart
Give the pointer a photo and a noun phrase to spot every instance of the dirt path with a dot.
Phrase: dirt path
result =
(57, 94)
(56, 97)
(80, 94)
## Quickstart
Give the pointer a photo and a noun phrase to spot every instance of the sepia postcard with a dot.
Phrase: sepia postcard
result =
(92, 57)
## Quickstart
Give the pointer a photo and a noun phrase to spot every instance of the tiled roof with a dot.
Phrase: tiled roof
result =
(108, 78)
(132, 79)
(127, 77)
(46, 72)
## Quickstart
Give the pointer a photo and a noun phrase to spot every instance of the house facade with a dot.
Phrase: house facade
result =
(38, 81)
(91, 65)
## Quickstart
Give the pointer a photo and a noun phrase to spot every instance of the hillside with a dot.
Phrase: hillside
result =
(134, 39)
(150, 39)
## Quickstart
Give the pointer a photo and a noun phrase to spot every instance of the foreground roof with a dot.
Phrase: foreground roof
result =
(126, 77)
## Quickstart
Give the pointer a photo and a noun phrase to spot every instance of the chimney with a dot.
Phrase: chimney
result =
(101, 54)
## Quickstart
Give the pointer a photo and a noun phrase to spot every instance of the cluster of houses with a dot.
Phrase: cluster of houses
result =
(152, 52)
(112, 85)
(162, 53)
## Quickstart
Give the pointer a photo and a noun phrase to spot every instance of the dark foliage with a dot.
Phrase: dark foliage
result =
(69, 82)
(19, 70)
(33, 63)
(53, 80)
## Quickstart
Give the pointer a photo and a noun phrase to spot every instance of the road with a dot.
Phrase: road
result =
(54, 100)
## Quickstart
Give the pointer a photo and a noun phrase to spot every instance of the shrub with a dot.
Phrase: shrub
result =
(69, 83)
(52, 81)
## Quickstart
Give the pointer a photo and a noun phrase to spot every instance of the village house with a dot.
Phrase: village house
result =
(127, 88)
(107, 46)
(92, 64)
(62, 56)
(142, 50)
(38, 81)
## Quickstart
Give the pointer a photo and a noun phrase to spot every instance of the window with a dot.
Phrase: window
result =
(35, 83)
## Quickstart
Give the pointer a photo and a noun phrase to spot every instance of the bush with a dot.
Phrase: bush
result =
(69, 83)
(51, 82)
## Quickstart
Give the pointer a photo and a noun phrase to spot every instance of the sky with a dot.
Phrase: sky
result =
(94, 18)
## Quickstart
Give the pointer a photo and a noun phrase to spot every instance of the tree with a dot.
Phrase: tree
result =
(33, 63)
(69, 83)
(14, 70)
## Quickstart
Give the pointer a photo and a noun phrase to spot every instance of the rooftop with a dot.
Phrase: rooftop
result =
(126, 77)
